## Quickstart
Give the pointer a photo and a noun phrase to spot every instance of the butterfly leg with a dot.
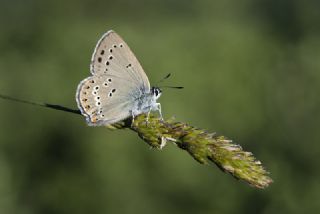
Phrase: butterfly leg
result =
(132, 115)
(158, 107)
(148, 115)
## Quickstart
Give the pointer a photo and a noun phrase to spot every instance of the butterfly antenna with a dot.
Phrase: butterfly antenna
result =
(174, 87)
(164, 78)
(46, 105)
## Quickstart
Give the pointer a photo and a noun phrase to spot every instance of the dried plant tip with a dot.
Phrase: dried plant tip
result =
(202, 146)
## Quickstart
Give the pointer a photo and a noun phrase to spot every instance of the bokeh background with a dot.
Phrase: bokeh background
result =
(251, 71)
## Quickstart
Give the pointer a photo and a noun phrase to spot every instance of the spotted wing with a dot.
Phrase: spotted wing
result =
(106, 99)
(113, 56)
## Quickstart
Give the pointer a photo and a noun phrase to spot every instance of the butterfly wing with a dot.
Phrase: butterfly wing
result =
(106, 99)
(118, 81)
(113, 56)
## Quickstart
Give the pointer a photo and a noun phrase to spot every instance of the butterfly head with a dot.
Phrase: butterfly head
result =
(156, 92)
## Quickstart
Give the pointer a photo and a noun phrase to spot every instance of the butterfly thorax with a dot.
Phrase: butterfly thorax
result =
(147, 101)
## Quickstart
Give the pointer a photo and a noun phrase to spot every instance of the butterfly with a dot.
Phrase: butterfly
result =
(118, 87)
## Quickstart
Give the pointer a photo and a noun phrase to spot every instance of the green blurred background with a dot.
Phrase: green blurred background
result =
(251, 71)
